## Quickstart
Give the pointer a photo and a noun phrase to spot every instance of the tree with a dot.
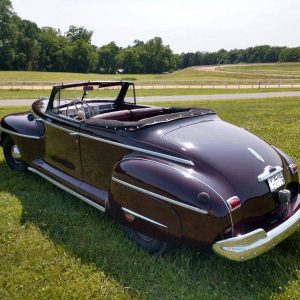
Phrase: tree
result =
(8, 35)
(56, 52)
(289, 55)
(84, 57)
(158, 58)
(272, 55)
(129, 59)
(27, 46)
(78, 33)
(107, 62)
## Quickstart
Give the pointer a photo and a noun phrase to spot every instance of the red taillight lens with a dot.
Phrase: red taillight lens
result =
(293, 168)
(234, 202)
(129, 217)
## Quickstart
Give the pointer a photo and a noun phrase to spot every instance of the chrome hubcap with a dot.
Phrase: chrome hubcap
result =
(15, 153)
(146, 238)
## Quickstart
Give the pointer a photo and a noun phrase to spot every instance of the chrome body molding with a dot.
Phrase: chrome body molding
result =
(71, 132)
(202, 182)
(258, 156)
(257, 242)
(143, 217)
(163, 198)
(266, 173)
(19, 134)
(101, 208)
(154, 153)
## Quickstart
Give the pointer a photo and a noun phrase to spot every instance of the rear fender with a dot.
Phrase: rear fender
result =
(162, 192)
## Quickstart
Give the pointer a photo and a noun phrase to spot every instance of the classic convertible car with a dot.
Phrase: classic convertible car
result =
(169, 175)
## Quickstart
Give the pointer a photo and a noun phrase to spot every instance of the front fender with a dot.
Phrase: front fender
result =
(167, 194)
(26, 132)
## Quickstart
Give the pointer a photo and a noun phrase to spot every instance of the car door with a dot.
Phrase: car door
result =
(62, 149)
(99, 155)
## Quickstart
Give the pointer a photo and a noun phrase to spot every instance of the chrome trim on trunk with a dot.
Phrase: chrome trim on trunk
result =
(101, 208)
(143, 217)
(175, 202)
(257, 242)
(19, 134)
(267, 174)
(258, 156)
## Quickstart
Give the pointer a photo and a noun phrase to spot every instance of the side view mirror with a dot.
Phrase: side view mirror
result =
(88, 88)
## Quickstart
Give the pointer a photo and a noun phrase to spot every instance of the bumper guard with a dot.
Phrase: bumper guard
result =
(257, 242)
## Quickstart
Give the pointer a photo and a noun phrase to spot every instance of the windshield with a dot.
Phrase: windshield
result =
(92, 92)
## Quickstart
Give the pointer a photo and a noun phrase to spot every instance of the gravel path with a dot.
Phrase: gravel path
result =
(28, 102)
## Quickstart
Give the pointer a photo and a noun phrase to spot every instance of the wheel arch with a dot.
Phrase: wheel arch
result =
(162, 191)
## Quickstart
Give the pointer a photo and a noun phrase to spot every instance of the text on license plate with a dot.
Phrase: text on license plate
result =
(276, 181)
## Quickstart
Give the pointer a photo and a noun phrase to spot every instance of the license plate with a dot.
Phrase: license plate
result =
(276, 181)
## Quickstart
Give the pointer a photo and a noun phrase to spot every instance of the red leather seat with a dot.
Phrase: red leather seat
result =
(120, 115)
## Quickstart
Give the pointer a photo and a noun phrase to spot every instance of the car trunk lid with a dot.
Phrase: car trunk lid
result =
(235, 153)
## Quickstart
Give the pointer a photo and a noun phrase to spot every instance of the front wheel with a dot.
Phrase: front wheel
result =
(12, 155)
(151, 245)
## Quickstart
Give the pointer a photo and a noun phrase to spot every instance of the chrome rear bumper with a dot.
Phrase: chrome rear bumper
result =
(256, 242)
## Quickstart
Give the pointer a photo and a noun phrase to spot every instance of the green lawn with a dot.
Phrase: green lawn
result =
(53, 246)
(35, 94)
(67, 77)
(278, 69)
(237, 72)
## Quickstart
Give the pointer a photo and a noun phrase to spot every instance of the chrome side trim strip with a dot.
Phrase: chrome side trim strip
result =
(60, 127)
(166, 156)
(208, 186)
(19, 134)
(175, 202)
(143, 217)
(101, 208)
(157, 154)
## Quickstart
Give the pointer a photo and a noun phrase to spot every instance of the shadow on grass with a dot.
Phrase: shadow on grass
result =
(96, 239)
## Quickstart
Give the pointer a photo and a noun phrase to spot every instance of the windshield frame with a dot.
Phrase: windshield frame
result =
(100, 84)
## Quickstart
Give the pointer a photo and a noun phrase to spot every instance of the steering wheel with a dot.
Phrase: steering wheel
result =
(83, 104)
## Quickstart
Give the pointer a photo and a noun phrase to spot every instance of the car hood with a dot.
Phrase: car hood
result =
(232, 151)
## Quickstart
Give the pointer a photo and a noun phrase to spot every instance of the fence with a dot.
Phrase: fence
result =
(209, 84)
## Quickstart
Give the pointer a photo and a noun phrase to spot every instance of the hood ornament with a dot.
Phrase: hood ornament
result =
(256, 155)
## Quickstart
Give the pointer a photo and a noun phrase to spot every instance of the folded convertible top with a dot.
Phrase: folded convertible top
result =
(171, 114)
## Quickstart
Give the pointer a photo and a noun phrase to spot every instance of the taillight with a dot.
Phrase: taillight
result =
(234, 202)
(293, 168)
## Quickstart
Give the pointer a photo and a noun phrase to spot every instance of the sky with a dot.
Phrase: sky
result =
(185, 25)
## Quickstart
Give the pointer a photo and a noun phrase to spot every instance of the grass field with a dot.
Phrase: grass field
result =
(205, 73)
(286, 69)
(53, 246)
(35, 94)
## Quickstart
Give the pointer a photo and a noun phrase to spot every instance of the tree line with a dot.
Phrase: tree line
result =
(258, 54)
(25, 46)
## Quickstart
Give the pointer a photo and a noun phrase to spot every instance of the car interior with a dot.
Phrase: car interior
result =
(115, 112)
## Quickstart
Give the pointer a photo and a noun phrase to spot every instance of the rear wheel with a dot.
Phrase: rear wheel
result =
(151, 245)
(12, 155)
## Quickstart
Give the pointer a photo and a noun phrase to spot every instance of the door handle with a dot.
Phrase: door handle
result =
(74, 133)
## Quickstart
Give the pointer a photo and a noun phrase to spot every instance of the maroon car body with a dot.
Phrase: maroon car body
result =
(169, 175)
